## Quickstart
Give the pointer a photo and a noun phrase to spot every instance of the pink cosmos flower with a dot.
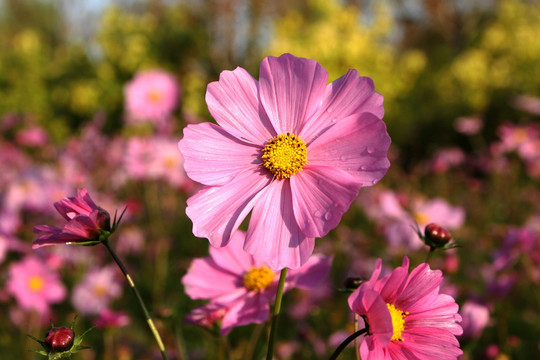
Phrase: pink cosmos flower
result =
(407, 317)
(475, 318)
(151, 96)
(289, 148)
(85, 222)
(96, 290)
(241, 288)
(111, 319)
(34, 285)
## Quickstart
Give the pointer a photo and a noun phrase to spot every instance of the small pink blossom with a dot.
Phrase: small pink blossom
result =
(151, 96)
(96, 290)
(468, 125)
(241, 288)
(111, 319)
(527, 103)
(407, 317)
(447, 158)
(85, 222)
(289, 148)
(34, 285)
(475, 319)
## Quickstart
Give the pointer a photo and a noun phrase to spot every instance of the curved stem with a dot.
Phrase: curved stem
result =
(277, 309)
(346, 342)
(149, 320)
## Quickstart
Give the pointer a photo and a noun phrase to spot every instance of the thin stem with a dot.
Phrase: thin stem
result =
(277, 309)
(346, 342)
(356, 342)
(149, 320)
(431, 249)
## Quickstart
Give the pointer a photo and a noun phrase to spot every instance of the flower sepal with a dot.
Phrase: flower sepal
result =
(61, 342)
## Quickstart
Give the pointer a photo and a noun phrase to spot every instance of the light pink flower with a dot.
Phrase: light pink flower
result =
(290, 148)
(527, 103)
(96, 290)
(475, 318)
(34, 285)
(241, 288)
(85, 222)
(151, 96)
(407, 317)
(111, 319)
(469, 125)
(399, 222)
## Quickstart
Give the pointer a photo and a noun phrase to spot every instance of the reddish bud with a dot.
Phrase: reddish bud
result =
(103, 220)
(437, 235)
(60, 339)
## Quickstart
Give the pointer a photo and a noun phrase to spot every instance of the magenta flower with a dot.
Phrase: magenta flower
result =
(291, 148)
(151, 96)
(241, 288)
(86, 222)
(407, 318)
(34, 285)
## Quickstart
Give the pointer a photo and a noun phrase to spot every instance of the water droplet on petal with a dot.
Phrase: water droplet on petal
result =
(334, 120)
(343, 158)
(363, 167)
(328, 216)
(370, 150)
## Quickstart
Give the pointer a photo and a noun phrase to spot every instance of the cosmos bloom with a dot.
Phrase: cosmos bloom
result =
(290, 148)
(34, 285)
(407, 318)
(96, 290)
(241, 288)
(85, 222)
(151, 96)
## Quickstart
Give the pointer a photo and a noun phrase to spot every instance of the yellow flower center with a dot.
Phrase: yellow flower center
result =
(285, 155)
(154, 96)
(100, 290)
(421, 217)
(35, 283)
(258, 278)
(398, 321)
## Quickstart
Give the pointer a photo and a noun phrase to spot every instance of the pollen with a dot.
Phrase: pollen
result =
(154, 96)
(258, 278)
(398, 321)
(35, 283)
(285, 155)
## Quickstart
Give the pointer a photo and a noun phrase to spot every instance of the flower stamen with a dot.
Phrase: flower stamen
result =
(284, 155)
(398, 321)
(258, 278)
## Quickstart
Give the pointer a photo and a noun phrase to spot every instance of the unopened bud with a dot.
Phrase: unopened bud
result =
(353, 282)
(60, 339)
(437, 235)
(103, 220)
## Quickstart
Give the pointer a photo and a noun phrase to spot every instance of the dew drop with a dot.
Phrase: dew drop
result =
(334, 120)
(363, 167)
(328, 216)
(318, 213)
(370, 150)
(343, 158)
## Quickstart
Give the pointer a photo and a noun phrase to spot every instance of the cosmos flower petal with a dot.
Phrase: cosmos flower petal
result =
(371, 350)
(212, 156)
(232, 257)
(357, 144)
(252, 309)
(420, 341)
(71, 206)
(291, 90)
(422, 282)
(233, 101)
(348, 95)
(311, 273)
(217, 211)
(321, 196)
(276, 239)
(206, 280)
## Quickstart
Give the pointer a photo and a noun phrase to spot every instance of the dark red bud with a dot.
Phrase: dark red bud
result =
(437, 235)
(60, 339)
(353, 282)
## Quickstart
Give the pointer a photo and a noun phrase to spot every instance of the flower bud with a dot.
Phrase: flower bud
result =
(60, 339)
(103, 220)
(353, 282)
(436, 235)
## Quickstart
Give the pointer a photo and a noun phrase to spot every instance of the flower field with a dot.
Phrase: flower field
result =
(308, 179)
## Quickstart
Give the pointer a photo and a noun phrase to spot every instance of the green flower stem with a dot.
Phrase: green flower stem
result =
(149, 320)
(346, 342)
(356, 342)
(277, 309)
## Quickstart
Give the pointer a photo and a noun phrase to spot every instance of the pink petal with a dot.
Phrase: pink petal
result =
(217, 211)
(291, 90)
(392, 285)
(371, 350)
(373, 307)
(357, 144)
(212, 156)
(252, 309)
(206, 280)
(422, 281)
(273, 235)
(320, 198)
(312, 273)
(431, 343)
(234, 102)
(82, 226)
(233, 257)
(348, 95)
